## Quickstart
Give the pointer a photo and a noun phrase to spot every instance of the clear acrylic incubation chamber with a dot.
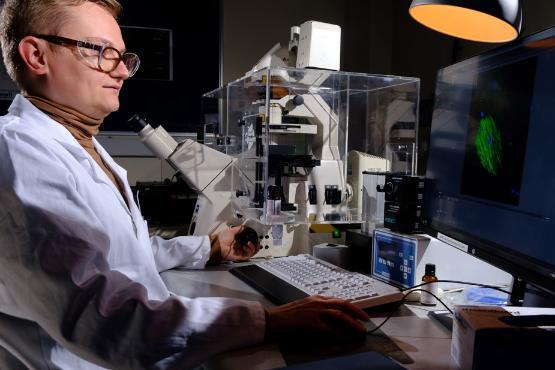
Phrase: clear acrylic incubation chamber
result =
(304, 136)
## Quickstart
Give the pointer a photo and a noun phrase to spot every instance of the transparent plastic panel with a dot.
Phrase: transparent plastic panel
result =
(303, 137)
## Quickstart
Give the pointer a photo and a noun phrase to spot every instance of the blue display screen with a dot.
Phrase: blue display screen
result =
(394, 258)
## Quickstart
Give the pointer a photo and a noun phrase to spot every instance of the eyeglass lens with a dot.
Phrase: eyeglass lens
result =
(111, 57)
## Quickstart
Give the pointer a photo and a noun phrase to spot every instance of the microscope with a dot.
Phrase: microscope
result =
(276, 147)
(205, 170)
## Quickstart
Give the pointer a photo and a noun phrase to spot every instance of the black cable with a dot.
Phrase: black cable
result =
(430, 293)
(412, 289)
(388, 316)
(459, 282)
(403, 301)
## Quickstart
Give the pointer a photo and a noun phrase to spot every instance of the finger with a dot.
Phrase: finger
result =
(324, 330)
(244, 251)
(325, 298)
(348, 308)
(253, 249)
(235, 229)
(340, 320)
(247, 250)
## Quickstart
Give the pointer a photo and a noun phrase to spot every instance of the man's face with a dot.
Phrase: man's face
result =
(78, 83)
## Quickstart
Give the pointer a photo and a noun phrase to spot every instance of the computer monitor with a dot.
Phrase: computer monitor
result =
(491, 165)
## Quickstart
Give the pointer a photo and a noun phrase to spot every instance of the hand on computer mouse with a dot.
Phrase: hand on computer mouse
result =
(234, 245)
(315, 318)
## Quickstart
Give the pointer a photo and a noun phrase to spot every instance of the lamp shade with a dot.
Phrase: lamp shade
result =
(476, 20)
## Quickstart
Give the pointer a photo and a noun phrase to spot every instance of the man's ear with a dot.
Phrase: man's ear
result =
(32, 51)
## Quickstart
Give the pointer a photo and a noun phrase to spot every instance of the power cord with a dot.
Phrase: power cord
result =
(403, 301)
(460, 282)
(412, 289)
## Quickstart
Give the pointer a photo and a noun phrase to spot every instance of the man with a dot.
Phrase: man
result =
(79, 283)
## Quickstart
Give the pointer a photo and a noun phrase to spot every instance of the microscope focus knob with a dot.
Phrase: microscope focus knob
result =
(298, 100)
(247, 235)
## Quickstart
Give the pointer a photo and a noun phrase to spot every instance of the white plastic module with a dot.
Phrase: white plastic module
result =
(319, 46)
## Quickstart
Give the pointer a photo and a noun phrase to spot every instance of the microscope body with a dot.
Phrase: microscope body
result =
(276, 149)
(292, 132)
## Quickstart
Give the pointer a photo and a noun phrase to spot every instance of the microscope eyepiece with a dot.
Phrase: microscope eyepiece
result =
(137, 123)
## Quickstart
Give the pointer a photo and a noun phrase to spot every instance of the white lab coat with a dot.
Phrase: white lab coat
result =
(81, 279)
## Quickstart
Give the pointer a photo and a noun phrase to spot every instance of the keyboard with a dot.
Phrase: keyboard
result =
(286, 279)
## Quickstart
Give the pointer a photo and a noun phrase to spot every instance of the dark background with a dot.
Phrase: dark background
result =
(176, 104)
(505, 94)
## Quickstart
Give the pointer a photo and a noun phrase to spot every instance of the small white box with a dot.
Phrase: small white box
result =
(319, 46)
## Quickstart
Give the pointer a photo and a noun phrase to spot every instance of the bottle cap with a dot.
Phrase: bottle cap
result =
(430, 269)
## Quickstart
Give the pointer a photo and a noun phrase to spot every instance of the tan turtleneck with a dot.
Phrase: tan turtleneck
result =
(81, 127)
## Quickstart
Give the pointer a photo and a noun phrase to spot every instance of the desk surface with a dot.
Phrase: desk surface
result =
(425, 341)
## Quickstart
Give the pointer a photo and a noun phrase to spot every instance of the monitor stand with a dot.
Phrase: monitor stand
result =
(534, 297)
(527, 295)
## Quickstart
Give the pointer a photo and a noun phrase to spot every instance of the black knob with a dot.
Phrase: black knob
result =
(247, 235)
(298, 100)
(386, 188)
(137, 123)
(312, 194)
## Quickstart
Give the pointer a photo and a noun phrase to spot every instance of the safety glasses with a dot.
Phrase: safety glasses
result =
(105, 57)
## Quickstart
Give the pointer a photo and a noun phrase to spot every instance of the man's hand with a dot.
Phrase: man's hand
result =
(315, 317)
(226, 245)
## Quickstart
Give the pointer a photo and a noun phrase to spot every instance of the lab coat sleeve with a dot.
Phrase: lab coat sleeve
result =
(186, 251)
(54, 271)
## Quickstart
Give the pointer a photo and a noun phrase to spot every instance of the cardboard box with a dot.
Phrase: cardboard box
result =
(482, 340)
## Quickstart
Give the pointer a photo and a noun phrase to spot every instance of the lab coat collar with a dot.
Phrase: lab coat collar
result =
(119, 172)
(45, 126)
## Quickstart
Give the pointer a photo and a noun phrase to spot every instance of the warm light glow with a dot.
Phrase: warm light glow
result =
(463, 23)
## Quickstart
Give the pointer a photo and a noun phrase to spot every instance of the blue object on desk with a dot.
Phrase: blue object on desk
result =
(358, 361)
(487, 296)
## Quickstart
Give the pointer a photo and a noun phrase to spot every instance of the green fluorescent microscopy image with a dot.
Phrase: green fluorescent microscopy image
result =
(488, 145)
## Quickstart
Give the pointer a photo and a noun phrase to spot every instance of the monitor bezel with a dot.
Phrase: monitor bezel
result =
(521, 266)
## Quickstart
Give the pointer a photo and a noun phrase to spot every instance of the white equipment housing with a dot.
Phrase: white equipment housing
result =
(319, 46)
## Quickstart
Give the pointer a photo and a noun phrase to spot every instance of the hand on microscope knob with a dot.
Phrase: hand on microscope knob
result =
(238, 243)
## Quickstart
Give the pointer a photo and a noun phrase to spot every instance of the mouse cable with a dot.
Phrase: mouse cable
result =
(412, 289)
(403, 301)
(459, 282)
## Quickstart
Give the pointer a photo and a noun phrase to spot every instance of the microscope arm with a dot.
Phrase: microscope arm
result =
(205, 170)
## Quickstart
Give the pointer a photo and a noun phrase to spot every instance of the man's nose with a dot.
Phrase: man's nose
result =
(121, 71)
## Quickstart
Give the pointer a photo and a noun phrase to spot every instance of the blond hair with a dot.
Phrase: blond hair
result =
(20, 18)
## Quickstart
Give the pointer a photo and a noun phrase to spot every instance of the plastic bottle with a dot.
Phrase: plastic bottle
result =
(273, 203)
(429, 277)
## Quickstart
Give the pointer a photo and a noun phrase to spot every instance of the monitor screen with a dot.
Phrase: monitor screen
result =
(491, 165)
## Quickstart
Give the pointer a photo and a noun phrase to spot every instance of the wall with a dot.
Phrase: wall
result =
(250, 28)
(378, 36)
(537, 15)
